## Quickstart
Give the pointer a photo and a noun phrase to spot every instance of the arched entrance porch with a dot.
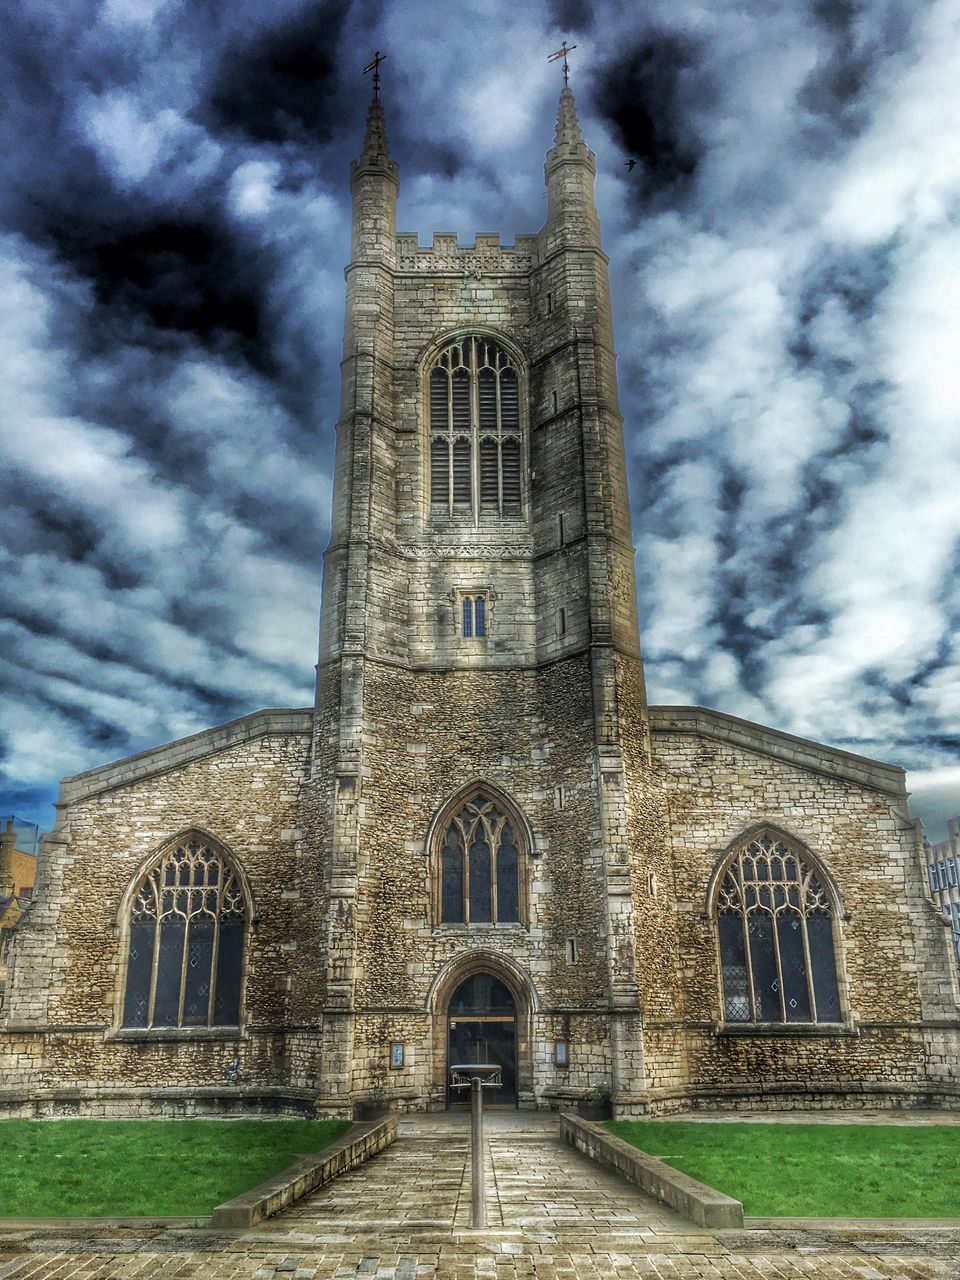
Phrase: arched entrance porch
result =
(482, 1006)
(482, 1027)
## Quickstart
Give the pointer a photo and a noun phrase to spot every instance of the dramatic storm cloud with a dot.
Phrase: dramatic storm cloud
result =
(786, 251)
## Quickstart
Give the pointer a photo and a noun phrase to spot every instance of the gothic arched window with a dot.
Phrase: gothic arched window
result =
(775, 922)
(479, 864)
(187, 921)
(475, 434)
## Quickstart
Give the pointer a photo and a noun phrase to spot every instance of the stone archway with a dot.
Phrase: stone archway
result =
(483, 1004)
(482, 1027)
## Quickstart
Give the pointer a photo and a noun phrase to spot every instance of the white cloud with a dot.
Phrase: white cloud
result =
(137, 144)
(906, 168)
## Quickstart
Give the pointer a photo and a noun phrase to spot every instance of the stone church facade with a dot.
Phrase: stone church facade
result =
(480, 842)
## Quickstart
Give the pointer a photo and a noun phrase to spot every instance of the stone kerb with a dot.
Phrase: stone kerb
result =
(696, 1201)
(359, 1143)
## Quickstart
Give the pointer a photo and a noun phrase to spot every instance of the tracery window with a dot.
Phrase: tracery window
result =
(775, 921)
(475, 434)
(479, 865)
(186, 935)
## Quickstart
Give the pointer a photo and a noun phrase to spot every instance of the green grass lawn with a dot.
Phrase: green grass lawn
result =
(78, 1168)
(814, 1170)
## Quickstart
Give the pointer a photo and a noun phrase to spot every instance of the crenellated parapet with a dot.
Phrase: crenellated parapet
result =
(486, 257)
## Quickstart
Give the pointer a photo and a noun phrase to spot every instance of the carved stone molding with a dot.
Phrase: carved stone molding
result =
(472, 550)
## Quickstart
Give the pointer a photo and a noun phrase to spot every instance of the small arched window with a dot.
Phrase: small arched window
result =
(187, 923)
(475, 433)
(775, 921)
(480, 855)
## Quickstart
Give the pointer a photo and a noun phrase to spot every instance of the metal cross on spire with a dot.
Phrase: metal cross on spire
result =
(562, 53)
(374, 66)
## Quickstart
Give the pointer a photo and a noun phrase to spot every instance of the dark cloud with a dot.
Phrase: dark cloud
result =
(857, 280)
(646, 95)
(278, 86)
(577, 16)
(833, 92)
(860, 35)
(20, 799)
(184, 275)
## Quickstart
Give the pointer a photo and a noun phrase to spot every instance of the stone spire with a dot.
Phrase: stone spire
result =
(568, 126)
(375, 150)
(375, 180)
(569, 171)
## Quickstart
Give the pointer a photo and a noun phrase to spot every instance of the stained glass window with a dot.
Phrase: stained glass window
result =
(186, 935)
(479, 866)
(775, 923)
(475, 433)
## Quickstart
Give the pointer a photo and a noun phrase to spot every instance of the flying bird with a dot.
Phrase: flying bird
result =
(631, 164)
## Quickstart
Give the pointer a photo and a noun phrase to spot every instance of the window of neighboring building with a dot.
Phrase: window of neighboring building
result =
(479, 863)
(475, 434)
(474, 615)
(775, 921)
(186, 936)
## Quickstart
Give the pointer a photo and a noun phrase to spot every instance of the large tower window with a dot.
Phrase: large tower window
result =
(186, 934)
(479, 865)
(775, 923)
(475, 435)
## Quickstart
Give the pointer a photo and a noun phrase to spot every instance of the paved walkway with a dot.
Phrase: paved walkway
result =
(552, 1214)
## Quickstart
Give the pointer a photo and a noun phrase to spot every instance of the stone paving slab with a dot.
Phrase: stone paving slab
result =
(554, 1215)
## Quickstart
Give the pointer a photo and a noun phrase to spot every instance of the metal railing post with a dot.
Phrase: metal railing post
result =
(476, 1076)
(478, 1204)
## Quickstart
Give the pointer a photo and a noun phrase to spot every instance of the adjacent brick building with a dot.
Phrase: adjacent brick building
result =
(480, 841)
(18, 871)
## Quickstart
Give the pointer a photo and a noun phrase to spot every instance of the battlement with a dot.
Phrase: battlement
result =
(487, 256)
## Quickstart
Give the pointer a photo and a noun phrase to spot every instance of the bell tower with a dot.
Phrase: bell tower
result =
(481, 800)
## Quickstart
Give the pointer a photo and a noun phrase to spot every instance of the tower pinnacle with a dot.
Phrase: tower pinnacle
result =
(375, 140)
(375, 180)
(569, 171)
(568, 125)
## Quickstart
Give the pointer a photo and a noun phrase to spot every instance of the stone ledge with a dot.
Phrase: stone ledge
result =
(359, 1143)
(785, 1030)
(696, 1201)
(173, 1035)
(802, 753)
(176, 1101)
(145, 764)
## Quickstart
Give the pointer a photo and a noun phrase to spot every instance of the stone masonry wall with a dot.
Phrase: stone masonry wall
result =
(66, 996)
(528, 734)
(717, 791)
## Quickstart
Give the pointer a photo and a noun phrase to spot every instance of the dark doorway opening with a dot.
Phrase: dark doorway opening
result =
(482, 1027)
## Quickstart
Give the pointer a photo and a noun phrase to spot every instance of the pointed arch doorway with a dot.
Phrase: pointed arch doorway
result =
(482, 1027)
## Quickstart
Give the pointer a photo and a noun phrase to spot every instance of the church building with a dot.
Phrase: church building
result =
(481, 843)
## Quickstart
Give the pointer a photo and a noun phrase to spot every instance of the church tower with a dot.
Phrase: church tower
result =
(480, 799)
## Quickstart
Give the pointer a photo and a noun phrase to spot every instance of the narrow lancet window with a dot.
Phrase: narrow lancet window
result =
(473, 622)
(775, 922)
